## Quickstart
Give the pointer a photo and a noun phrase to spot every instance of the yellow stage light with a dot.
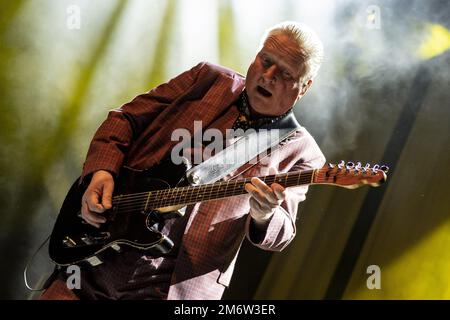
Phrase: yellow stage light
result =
(436, 42)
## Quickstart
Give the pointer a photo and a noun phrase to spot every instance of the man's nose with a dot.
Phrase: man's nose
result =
(270, 73)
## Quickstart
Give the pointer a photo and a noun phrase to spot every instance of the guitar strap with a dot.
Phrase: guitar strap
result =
(251, 144)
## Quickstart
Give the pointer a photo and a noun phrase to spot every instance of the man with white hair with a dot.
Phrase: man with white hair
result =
(208, 237)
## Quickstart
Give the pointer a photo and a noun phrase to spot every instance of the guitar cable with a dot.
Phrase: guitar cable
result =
(30, 260)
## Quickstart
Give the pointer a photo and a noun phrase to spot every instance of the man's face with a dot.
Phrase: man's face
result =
(273, 79)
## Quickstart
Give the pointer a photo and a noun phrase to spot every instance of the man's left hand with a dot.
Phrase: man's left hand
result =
(264, 200)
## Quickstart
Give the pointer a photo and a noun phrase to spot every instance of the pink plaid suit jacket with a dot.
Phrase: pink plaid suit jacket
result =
(139, 135)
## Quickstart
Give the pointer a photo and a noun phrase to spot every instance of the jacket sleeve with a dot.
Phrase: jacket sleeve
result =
(281, 228)
(113, 138)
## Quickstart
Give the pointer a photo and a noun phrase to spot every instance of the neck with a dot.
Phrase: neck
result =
(193, 194)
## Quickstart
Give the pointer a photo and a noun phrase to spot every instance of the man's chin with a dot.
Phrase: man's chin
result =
(260, 104)
(261, 109)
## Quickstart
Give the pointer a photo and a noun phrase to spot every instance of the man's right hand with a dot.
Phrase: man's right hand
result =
(97, 198)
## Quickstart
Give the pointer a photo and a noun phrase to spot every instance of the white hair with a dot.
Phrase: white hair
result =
(309, 45)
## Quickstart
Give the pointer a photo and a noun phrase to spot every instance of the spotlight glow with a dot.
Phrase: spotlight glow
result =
(436, 43)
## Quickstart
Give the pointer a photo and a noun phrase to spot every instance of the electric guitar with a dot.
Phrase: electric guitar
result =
(144, 198)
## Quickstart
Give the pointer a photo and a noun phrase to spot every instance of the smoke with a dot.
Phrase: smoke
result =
(372, 55)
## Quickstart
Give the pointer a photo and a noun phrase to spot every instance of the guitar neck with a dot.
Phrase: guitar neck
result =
(219, 190)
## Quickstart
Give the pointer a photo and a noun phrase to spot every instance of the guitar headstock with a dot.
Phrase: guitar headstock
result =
(350, 175)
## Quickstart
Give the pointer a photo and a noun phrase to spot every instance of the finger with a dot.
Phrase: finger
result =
(107, 195)
(255, 206)
(92, 199)
(257, 212)
(84, 209)
(97, 225)
(279, 190)
(95, 217)
(253, 191)
(90, 216)
(85, 217)
(265, 190)
(263, 202)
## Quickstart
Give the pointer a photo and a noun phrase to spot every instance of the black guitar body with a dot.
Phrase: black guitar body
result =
(73, 241)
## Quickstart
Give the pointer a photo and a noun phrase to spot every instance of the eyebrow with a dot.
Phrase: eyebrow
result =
(284, 66)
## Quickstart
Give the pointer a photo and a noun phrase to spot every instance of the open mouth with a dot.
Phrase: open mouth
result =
(263, 91)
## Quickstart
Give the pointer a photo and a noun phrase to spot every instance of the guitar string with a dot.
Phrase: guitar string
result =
(188, 199)
(164, 192)
(160, 203)
(141, 207)
(196, 193)
(145, 193)
(186, 192)
(142, 195)
(192, 195)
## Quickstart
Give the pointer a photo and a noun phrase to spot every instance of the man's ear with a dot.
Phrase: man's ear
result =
(305, 87)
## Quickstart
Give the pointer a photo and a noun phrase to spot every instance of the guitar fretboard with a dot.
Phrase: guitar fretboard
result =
(145, 201)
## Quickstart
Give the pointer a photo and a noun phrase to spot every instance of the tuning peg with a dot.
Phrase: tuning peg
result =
(341, 164)
(331, 165)
(358, 166)
(366, 167)
(350, 165)
(375, 168)
(384, 168)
